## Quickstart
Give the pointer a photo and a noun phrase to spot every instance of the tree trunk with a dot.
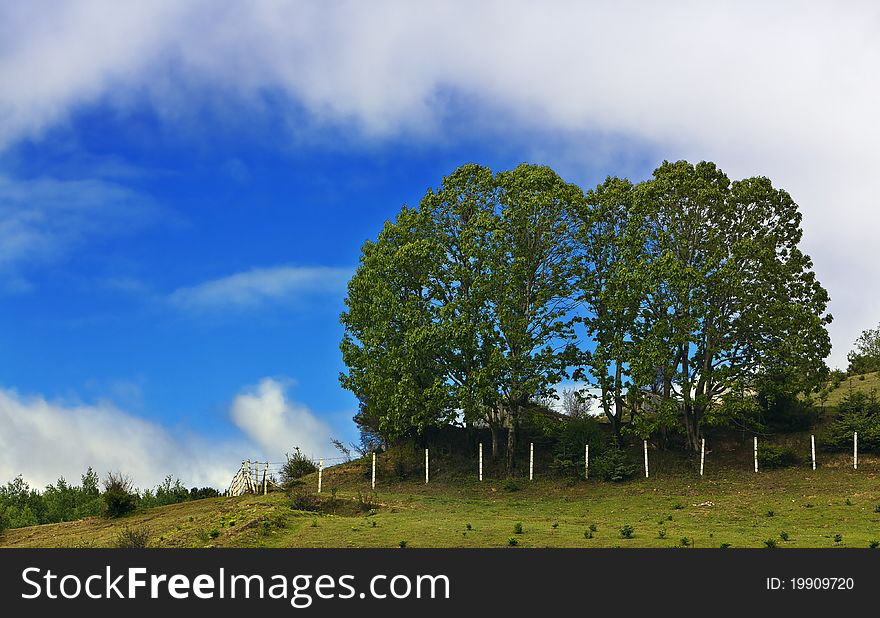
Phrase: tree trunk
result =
(511, 446)
(494, 430)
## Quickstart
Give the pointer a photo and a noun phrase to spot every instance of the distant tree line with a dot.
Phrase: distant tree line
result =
(21, 505)
(683, 300)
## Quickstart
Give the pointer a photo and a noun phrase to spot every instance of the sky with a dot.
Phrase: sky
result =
(185, 186)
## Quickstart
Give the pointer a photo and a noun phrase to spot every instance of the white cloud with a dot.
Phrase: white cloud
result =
(44, 219)
(276, 424)
(783, 89)
(260, 286)
(43, 440)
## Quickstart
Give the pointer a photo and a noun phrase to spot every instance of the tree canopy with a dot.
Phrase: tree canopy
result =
(672, 298)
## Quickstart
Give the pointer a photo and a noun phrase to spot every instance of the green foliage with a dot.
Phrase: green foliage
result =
(770, 543)
(402, 544)
(783, 535)
(627, 531)
(296, 466)
(857, 412)
(133, 538)
(512, 541)
(569, 436)
(838, 538)
(613, 465)
(510, 485)
(771, 456)
(119, 496)
(518, 528)
(865, 358)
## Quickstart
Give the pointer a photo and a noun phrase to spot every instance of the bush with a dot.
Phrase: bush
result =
(570, 436)
(296, 467)
(771, 456)
(306, 501)
(627, 531)
(119, 497)
(858, 411)
(133, 538)
(613, 465)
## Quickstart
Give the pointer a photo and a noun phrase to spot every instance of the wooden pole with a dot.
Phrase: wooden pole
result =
(426, 466)
(249, 484)
(813, 449)
(855, 450)
(481, 461)
(531, 461)
(756, 453)
(320, 473)
(702, 455)
(646, 459)
(265, 479)
(373, 481)
(586, 461)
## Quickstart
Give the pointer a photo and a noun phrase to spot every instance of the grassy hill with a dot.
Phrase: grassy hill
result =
(793, 507)
(737, 507)
(866, 383)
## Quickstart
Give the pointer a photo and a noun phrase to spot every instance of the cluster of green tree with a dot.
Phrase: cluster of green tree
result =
(22, 505)
(857, 412)
(865, 358)
(679, 299)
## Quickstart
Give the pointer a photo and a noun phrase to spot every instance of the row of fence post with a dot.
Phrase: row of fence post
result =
(247, 479)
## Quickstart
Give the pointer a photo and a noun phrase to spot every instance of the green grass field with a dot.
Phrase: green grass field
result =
(792, 507)
(866, 383)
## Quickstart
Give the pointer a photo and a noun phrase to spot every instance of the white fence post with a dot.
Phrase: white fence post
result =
(373, 481)
(427, 467)
(646, 459)
(702, 455)
(813, 449)
(756, 453)
(531, 461)
(249, 485)
(266, 479)
(481, 461)
(855, 450)
(320, 473)
(586, 461)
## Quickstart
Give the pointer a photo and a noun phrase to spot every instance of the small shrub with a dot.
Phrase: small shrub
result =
(783, 535)
(512, 542)
(685, 542)
(133, 538)
(877, 508)
(214, 532)
(678, 506)
(554, 525)
(874, 544)
(402, 544)
(314, 523)
(809, 505)
(119, 496)
(771, 456)
(771, 513)
(613, 465)
(518, 528)
(510, 485)
(296, 467)
(770, 543)
(661, 534)
(724, 546)
(627, 531)
(593, 528)
(468, 527)
(373, 523)
(848, 502)
(588, 534)
(838, 539)
(305, 501)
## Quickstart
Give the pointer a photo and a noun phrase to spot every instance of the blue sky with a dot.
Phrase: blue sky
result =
(184, 189)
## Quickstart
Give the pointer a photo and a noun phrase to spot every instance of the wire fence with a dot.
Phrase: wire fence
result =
(257, 477)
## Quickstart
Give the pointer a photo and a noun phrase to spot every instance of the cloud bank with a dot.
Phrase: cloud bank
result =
(783, 89)
(43, 440)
